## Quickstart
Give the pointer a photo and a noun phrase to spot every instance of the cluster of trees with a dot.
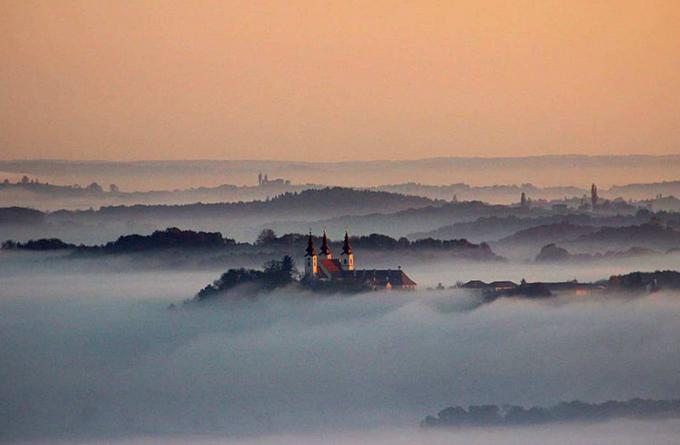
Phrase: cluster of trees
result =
(169, 238)
(37, 186)
(41, 244)
(20, 216)
(649, 281)
(174, 238)
(342, 197)
(492, 415)
(554, 253)
(374, 241)
(275, 274)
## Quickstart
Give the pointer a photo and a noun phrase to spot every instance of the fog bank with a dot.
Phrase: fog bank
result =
(621, 432)
(101, 356)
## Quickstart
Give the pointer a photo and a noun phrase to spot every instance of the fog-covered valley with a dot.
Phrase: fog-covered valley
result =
(94, 356)
(621, 432)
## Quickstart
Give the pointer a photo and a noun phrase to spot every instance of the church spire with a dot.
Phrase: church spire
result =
(347, 257)
(346, 247)
(310, 251)
(325, 249)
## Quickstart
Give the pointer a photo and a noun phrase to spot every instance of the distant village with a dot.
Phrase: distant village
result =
(636, 282)
(539, 289)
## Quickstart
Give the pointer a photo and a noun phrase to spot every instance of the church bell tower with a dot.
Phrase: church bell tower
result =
(347, 257)
(311, 260)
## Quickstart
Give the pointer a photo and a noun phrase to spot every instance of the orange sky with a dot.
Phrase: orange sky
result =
(337, 80)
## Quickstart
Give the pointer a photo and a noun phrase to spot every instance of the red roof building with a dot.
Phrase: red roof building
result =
(328, 268)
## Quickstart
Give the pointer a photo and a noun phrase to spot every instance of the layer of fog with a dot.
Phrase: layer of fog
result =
(450, 272)
(426, 269)
(100, 355)
(620, 432)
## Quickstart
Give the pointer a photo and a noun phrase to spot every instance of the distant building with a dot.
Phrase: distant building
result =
(474, 284)
(325, 267)
(537, 289)
(500, 286)
(593, 196)
(523, 201)
(263, 180)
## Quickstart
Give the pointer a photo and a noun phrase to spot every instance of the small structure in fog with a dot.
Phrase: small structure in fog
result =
(263, 180)
(533, 290)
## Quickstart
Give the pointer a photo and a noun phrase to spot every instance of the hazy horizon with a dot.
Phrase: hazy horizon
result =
(86, 160)
(540, 170)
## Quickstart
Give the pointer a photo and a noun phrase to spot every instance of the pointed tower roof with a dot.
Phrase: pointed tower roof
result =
(310, 251)
(325, 250)
(346, 247)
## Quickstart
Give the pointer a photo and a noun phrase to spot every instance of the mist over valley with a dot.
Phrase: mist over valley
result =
(100, 355)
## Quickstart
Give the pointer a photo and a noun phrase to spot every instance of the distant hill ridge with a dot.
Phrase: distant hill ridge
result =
(554, 253)
(174, 238)
(329, 200)
(524, 223)
(557, 231)
(650, 235)
(542, 170)
(497, 193)
(512, 415)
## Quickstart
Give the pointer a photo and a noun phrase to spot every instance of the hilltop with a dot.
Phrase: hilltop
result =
(242, 219)
(651, 235)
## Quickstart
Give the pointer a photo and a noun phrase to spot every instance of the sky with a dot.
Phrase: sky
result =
(324, 81)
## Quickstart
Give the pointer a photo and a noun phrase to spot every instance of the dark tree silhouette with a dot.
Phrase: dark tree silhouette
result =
(266, 237)
(275, 274)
